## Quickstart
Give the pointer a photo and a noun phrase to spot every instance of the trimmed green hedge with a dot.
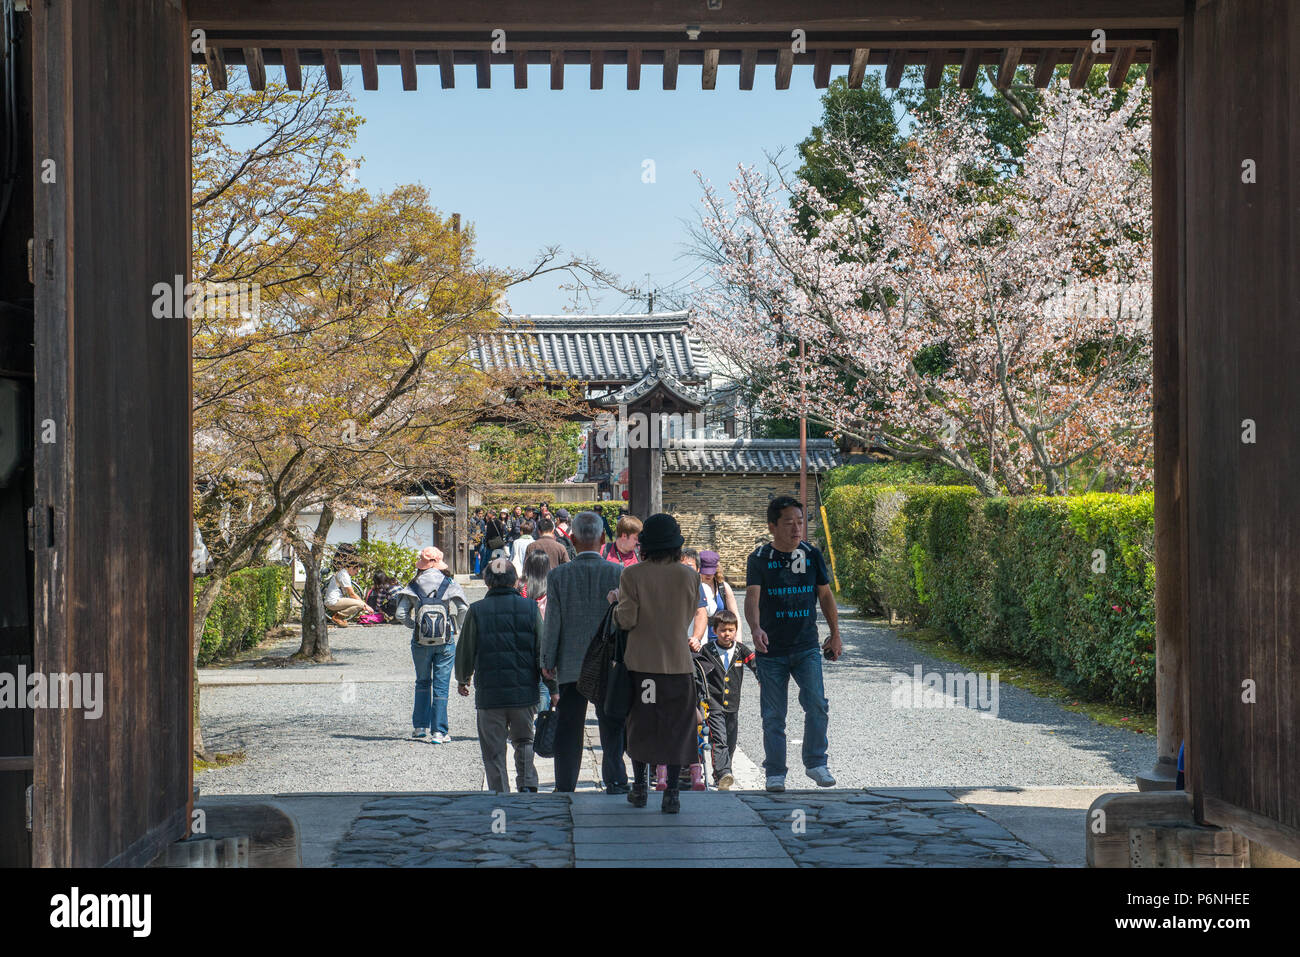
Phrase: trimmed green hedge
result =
(891, 473)
(1062, 583)
(251, 602)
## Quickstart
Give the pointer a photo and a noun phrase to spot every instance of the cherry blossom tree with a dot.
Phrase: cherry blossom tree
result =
(995, 322)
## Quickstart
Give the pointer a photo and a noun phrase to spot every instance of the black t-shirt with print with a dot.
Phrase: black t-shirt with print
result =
(787, 602)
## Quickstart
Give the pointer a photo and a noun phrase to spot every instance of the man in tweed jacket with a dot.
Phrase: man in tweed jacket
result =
(576, 601)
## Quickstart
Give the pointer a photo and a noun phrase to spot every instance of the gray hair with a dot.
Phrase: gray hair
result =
(500, 573)
(587, 527)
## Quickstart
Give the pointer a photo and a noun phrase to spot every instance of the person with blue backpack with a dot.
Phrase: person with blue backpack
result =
(433, 605)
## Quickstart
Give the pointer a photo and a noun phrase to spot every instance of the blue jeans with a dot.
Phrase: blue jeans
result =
(774, 674)
(433, 664)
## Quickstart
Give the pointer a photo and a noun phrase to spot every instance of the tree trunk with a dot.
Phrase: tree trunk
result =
(202, 607)
(315, 619)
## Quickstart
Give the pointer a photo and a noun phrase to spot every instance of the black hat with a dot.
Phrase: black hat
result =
(563, 514)
(660, 533)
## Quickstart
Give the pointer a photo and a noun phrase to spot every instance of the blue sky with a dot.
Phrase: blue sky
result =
(532, 168)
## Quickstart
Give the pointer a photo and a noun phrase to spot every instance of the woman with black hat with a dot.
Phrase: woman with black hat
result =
(658, 599)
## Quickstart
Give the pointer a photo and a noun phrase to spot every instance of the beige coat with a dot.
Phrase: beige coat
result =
(657, 604)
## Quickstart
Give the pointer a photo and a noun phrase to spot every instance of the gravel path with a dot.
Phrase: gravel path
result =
(345, 727)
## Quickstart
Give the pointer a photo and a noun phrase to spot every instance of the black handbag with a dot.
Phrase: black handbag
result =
(544, 734)
(618, 685)
(594, 673)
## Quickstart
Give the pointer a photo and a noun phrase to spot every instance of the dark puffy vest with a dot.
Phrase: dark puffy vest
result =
(505, 666)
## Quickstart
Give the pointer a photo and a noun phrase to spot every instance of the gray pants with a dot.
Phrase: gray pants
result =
(494, 725)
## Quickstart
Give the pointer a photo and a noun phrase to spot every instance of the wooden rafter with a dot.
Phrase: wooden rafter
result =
(369, 69)
(1081, 67)
(634, 69)
(784, 67)
(521, 70)
(858, 67)
(894, 69)
(970, 67)
(1120, 66)
(671, 60)
(447, 69)
(407, 60)
(821, 68)
(1045, 69)
(748, 60)
(256, 68)
(934, 69)
(557, 69)
(482, 70)
(333, 72)
(292, 68)
(1007, 66)
(709, 75)
(216, 66)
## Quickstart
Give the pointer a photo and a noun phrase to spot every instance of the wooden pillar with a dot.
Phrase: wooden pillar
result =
(460, 561)
(1167, 334)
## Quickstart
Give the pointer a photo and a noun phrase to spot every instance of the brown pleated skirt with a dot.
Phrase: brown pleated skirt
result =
(663, 731)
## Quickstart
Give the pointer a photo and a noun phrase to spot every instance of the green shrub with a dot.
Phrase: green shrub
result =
(389, 557)
(891, 473)
(251, 602)
(1016, 577)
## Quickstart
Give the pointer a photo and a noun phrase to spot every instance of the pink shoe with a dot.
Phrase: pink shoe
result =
(697, 778)
(661, 777)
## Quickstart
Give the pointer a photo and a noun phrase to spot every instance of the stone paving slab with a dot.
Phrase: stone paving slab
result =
(749, 863)
(690, 853)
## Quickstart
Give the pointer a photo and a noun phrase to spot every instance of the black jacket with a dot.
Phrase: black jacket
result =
(724, 683)
(501, 646)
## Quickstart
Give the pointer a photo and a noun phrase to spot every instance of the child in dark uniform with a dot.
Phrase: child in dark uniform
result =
(726, 659)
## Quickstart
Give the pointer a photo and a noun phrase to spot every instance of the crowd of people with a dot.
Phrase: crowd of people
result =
(551, 578)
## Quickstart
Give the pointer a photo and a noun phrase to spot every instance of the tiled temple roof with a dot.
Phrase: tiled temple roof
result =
(747, 455)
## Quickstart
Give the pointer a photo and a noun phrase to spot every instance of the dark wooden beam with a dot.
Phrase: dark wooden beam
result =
(634, 69)
(216, 66)
(369, 69)
(597, 69)
(1119, 67)
(482, 70)
(557, 69)
(970, 68)
(821, 68)
(858, 67)
(709, 75)
(894, 69)
(784, 67)
(1082, 67)
(1045, 69)
(521, 70)
(333, 72)
(748, 60)
(671, 60)
(292, 68)
(407, 60)
(934, 69)
(255, 67)
(447, 69)
(773, 16)
(1007, 66)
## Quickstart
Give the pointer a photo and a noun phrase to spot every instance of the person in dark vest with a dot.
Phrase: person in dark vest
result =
(501, 649)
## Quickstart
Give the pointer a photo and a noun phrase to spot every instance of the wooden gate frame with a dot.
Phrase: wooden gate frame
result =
(1212, 59)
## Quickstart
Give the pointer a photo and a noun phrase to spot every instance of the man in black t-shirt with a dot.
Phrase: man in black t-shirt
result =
(785, 581)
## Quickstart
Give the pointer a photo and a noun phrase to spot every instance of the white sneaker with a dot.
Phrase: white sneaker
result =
(776, 783)
(726, 782)
(822, 776)
(420, 733)
(440, 738)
